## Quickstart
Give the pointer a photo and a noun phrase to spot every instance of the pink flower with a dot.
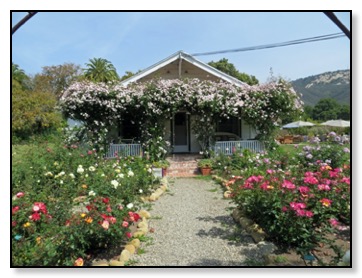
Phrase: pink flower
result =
(326, 202)
(128, 234)
(112, 219)
(36, 208)
(40, 206)
(89, 152)
(324, 187)
(346, 180)
(309, 214)
(125, 224)
(300, 212)
(15, 209)
(310, 180)
(333, 174)
(270, 171)
(304, 190)
(284, 209)
(288, 184)
(105, 224)
(20, 194)
(296, 206)
(333, 222)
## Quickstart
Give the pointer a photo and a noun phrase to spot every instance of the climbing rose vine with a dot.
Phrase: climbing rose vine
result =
(103, 105)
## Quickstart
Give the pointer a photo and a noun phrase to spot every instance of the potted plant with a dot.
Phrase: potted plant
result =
(205, 166)
(163, 164)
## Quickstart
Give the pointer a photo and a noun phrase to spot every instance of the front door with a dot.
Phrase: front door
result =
(181, 133)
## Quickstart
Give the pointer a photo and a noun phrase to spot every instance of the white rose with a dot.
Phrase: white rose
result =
(130, 205)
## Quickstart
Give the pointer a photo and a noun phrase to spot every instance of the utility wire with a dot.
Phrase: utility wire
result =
(274, 45)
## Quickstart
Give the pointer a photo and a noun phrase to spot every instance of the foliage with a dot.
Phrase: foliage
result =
(20, 76)
(296, 198)
(55, 79)
(152, 102)
(83, 201)
(32, 112)
(161, 164)
(100, 70)
(205, 163)
(225, 66)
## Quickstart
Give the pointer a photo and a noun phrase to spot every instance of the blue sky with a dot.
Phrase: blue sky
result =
(136, 40)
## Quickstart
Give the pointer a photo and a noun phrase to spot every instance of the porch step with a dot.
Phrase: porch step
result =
(183, 165)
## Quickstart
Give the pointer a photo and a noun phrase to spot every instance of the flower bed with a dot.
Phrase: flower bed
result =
(298, 201)
(68, 203)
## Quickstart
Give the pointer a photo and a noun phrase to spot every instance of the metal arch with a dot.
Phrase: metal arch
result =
(21, 22)
(333, 17)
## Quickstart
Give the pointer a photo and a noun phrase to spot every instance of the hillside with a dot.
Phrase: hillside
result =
(335, 84)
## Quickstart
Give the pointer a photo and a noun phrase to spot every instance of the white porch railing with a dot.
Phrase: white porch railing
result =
(228, 147)
(124, 150)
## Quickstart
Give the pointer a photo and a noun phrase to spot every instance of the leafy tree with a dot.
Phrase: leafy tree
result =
(32, 112)
(326, 109)
(100, 70)
(55, 79)
(128, 74)
(19, 75)
(225, 66)
(344, 112)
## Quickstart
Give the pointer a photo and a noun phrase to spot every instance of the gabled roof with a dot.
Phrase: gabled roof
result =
(190, 59)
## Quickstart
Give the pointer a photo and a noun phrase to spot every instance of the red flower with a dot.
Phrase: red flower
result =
(15, 209)
(105, 200)
(128, 234)
(67, 223)
(35, 216)
(40, 206)
(13, 223)
(136, 216)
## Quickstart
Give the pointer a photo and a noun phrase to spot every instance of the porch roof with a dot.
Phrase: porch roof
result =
(187, 57)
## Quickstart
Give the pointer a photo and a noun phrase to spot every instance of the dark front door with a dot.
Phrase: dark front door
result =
(180, 133)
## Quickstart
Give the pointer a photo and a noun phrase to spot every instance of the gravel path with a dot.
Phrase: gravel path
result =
(192, 227)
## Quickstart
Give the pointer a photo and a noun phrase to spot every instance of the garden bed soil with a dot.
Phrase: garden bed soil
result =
(324, 253)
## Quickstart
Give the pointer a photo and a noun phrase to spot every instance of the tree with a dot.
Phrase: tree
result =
(100, 70)
(32, 112)
(128, 74)
(225, 66)
(19, 75)
(55, 79)
(326, 109)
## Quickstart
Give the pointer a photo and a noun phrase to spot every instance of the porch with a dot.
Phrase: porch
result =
(221, 147)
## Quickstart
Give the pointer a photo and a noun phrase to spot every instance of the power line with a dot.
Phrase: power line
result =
(274, 45)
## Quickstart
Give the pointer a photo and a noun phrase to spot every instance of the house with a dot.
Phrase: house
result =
(178, 66)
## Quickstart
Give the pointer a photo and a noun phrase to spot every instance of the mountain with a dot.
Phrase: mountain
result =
(334, 84)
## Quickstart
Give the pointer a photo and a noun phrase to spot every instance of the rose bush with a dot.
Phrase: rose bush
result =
(68, 202)
(296, 204)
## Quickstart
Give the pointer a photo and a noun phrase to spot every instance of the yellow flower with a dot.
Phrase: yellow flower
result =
(270, 187)
(38, 240)
(84, 186)
(118, 171)
(78, 262)
(328, 167)
(83, 215)
(26, 225)
(89, 220)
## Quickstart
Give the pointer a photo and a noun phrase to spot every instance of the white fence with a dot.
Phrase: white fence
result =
(228, 147)
(124, 150)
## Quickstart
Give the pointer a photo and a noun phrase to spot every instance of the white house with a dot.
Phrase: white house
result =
(182, 65)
